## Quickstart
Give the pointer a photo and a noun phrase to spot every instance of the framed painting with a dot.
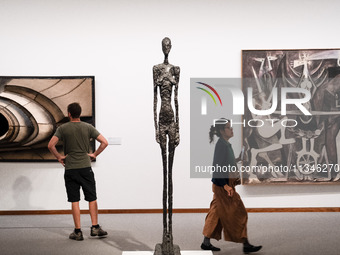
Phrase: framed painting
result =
(31, 109)
(292, 119)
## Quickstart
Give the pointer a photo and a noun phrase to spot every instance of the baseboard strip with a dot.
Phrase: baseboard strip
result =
(191, 210)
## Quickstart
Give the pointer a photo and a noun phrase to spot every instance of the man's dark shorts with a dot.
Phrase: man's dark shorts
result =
(81, 177)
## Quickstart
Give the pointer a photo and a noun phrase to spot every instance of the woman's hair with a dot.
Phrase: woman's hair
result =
(217, 127)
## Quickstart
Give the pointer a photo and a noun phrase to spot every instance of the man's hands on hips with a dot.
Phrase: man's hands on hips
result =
(92, 156)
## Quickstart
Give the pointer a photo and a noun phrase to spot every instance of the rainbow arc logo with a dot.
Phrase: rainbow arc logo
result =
(204, 102)
(209, 93)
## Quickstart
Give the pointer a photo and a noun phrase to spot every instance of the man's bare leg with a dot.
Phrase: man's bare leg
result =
(93, 207)
(76, 234)
(76, 214)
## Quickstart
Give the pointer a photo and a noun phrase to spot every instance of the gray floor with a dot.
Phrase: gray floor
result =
(279, 233)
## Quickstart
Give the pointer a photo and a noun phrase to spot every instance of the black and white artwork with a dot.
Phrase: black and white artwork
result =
(31, 108)
(288, 145)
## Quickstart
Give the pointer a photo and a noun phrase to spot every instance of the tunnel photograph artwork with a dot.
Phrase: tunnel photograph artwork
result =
(292, 147)
(31, 109)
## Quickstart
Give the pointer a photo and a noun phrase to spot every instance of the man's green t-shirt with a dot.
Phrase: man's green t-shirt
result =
(76, 137)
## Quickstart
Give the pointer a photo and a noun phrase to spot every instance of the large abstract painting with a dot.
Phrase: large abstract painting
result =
(31, 108)
(292, 146)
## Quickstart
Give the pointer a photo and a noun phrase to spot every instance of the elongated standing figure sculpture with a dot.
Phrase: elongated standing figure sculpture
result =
(165, 77)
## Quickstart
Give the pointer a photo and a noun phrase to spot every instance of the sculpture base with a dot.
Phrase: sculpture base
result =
(158, 250)
(182, 253)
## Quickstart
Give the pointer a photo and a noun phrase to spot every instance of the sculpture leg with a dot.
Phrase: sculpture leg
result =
(163, 141)
(170, 187)
(167, 247)
(175, 250)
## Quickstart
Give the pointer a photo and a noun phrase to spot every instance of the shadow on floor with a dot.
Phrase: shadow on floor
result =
(123, 240)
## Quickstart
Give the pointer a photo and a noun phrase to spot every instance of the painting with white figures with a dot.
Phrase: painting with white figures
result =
(292, 116)
(31, 109)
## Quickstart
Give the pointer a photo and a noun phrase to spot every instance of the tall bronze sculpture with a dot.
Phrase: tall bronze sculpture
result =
(166, 77)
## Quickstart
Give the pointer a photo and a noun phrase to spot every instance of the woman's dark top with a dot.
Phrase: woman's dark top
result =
(223, 157)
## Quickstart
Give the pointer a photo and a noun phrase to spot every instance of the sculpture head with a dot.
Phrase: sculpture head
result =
(166, 46)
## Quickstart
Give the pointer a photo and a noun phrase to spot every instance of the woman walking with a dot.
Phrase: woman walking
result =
(227, 212)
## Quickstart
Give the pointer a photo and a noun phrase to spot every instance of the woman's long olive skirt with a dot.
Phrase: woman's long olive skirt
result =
(228, 214)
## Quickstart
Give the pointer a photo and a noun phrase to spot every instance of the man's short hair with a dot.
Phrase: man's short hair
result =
(74, 109)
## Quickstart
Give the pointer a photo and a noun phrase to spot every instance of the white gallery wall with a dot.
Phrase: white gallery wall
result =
(118, 42)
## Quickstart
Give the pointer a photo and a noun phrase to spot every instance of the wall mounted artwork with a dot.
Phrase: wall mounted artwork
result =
(292, 147)
(31, 108)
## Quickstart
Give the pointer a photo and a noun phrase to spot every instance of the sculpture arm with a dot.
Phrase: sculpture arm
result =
(177, 73)
(155, 101)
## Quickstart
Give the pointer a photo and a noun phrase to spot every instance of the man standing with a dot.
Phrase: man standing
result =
(76, 137)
